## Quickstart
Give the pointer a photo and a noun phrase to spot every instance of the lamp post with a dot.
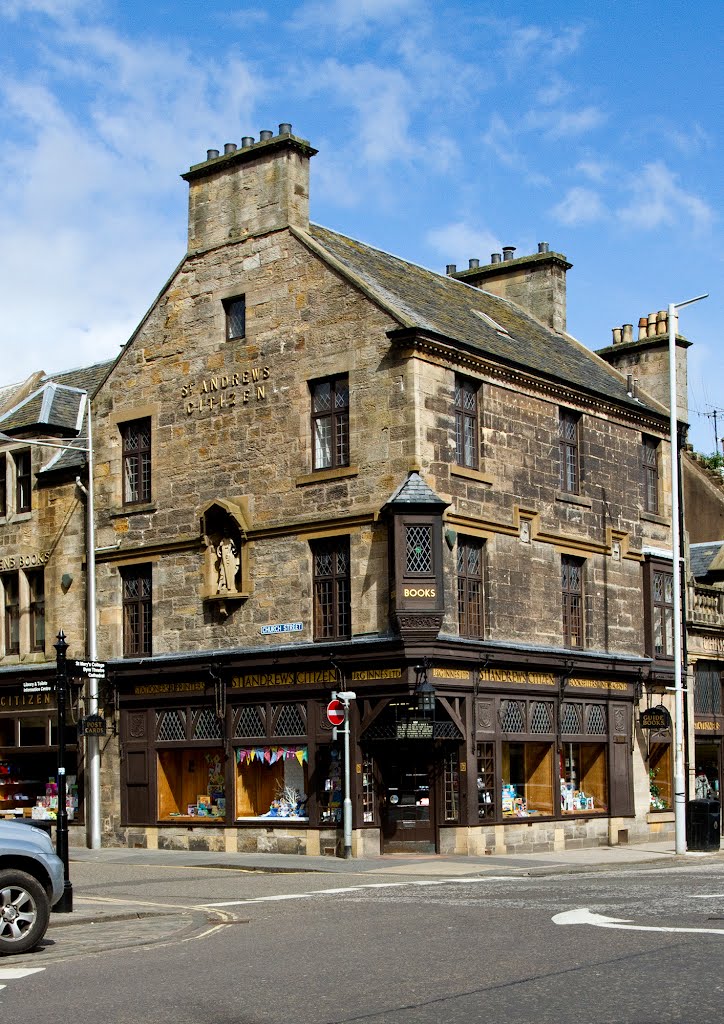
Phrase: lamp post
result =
(93, 789)
(679, 780)
(65, 903)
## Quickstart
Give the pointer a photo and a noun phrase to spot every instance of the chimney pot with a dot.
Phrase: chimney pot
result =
(265, 135)
(285, 129)
(247, 141)
(451, 268)
(211, 154)
(543, 247)
(508, 251)
(627, 333)
(496, 257)
(629, 383)
(474, 264)
(616, 335)
(661, 325)
(643, 325)
(229, 147)
(651, 328)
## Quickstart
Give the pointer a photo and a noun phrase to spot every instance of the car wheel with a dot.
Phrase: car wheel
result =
(24, 912)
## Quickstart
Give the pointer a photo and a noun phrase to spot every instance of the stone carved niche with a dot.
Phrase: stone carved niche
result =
(224, 526)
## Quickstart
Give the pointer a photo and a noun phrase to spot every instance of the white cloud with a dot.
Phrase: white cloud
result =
(594, 169)
(561, 124)
(530, 46)
(57, 9)
(579, 206)
(658, 200)
(461, 242)
(352, 16)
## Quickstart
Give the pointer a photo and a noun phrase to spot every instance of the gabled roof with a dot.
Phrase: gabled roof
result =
(57, 408)
(705, 558)
(421, 299)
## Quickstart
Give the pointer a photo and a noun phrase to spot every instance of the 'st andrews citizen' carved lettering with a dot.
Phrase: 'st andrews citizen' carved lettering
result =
(212, 393)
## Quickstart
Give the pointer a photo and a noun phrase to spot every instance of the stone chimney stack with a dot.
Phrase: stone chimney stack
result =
(249, 189)
(537, 283)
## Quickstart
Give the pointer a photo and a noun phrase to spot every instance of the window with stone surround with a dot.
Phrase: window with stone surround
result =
(136, 435)
(658, 582)
(470, 587)
(572, 594)
(36, 594)
(331, 578)
(330, 422)
(3, 486)
(23, 501)
(568, 439)
(235, 310)
(11, 604)
(467, 448)
(137, 611)
(650, 457)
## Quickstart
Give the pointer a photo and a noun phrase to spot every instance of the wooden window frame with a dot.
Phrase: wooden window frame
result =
(332, 591)
(235, 312)
(23, 480)
(136, 460)
(572, 594)
(138, 630)
(337, 417)
(3, 485)
(650, 469)
(569, 441)
(11, 609)
(467, 422)
(471, 605)
(36, 607)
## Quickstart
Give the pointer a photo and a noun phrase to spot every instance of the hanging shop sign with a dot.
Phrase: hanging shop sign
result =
(93, 725)
(655, 718)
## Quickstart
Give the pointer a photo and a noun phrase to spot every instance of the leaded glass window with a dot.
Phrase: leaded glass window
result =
(418, 549)
(466, 423)
(470, 587)
(572, 594)
(137, 614)
(570, 458)
(331, 577)
(136, 461)
(330, 422)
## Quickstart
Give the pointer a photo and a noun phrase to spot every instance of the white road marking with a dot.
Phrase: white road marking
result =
(12, 973)
(585, 916)
(359, 888)
(706, 896)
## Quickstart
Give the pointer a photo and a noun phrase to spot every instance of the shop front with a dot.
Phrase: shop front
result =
(456, 759)
(29, 753)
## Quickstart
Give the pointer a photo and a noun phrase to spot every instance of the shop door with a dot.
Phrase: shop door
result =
(408, 798)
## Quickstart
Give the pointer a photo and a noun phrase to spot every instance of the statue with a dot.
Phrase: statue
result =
(228, 566)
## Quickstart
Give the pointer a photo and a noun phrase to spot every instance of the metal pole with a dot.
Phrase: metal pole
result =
(347, 696)
(93, 756)
(65, 904)
(679, 781)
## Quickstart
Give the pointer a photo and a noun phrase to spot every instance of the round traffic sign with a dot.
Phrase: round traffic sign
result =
(335, 712)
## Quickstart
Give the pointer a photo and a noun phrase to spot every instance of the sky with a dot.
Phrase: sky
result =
(445, 131)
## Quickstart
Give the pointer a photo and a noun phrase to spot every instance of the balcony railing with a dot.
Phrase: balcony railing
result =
(705, 605)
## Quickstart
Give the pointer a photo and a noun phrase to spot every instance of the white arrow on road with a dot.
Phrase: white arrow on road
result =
(586, 916)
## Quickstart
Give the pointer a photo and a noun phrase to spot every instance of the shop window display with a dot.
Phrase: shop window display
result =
(329, 761)
(583, 776)
(660, 776)
(527, 776)
(191, 784)
(271, 782)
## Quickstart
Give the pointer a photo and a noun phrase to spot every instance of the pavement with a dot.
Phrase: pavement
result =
(115, 924)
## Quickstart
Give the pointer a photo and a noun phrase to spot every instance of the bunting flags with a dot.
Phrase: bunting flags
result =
(270, 755)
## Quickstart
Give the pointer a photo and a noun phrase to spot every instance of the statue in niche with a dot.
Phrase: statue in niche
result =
(227, 566)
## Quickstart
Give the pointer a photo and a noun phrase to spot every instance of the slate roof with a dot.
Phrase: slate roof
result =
(415, 492)
(422, 299)
(53, 409)
(702, 556)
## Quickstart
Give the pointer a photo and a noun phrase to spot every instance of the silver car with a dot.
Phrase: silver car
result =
(31, 882)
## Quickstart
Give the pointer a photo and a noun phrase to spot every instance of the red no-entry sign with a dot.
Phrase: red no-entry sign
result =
(335, 712)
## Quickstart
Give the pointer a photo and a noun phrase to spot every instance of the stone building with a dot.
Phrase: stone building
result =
(320, 467)
(42, 580)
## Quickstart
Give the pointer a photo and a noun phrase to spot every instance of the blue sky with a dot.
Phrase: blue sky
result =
(445, 130)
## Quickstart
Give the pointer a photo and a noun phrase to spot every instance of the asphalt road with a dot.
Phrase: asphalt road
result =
(197, 945)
